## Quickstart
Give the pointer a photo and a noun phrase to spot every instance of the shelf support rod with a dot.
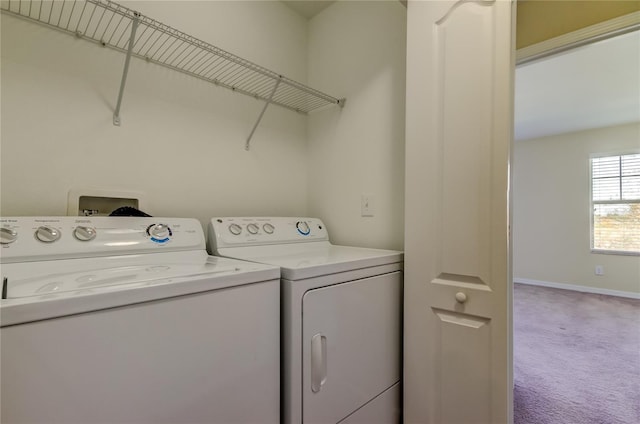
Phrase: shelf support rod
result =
(266, 104)
(134, 26)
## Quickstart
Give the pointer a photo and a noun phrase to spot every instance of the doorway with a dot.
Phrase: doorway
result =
(571, 304)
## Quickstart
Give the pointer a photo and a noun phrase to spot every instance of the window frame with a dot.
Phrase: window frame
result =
(604, 202)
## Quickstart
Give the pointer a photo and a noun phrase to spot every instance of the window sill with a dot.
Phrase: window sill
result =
(614, 252)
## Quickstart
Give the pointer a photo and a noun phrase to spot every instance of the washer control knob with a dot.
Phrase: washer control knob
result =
(7, 235)
(47, 234)
(268, 228)
(83, 233)
(253, 228)
(303, 228)
(159, 231)
(235, 229)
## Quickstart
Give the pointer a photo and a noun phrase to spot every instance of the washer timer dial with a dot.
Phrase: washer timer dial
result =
(159, 233)
(253, 228)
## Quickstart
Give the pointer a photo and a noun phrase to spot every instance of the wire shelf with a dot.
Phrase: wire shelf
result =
(110, 24)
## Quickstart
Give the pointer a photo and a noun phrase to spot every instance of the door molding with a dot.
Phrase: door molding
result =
(591, 34)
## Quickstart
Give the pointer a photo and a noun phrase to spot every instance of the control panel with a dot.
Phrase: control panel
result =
(38, 238)
(255, 231)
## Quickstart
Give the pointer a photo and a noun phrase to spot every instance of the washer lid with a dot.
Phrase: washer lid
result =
(39, 290)
(300, 261)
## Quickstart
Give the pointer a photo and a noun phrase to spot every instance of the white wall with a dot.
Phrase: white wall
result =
(181, 141)
(551, 210)
(357, 50)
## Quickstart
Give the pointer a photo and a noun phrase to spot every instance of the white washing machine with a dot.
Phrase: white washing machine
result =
(129, 320)
(341, 318)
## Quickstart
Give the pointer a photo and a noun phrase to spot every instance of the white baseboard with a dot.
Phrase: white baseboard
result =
(574, 287)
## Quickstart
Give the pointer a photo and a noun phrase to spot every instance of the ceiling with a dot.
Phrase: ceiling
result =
(593, 86)
(308, 8)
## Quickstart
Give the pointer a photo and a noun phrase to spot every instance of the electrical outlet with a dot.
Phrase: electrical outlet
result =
(367, 205)
(599, 270)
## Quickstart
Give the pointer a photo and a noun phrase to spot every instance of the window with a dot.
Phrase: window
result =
(615, 201)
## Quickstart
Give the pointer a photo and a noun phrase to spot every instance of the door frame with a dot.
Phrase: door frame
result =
(591, 34)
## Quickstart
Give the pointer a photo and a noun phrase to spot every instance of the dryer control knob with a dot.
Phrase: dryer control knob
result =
(159, 231)
(7, 235)
(235, 229)
(47, 234)
(84, 233)
(268, 228)
(303, 228)
(253, 228)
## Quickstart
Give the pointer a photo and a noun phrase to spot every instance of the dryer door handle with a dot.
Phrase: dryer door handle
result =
(318, 362)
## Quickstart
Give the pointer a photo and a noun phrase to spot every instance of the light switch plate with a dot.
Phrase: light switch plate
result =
(367, 205)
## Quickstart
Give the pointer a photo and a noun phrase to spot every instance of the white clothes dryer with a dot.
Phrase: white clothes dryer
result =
(341, 318)
(129, 320)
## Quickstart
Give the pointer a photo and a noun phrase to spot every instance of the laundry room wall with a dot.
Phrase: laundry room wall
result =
(551, 216)
(181, 142)
(357, 50)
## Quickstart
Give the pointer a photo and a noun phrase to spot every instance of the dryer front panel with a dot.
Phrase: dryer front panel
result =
(351, 345)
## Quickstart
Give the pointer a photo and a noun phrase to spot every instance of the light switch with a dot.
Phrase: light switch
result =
(367, 205)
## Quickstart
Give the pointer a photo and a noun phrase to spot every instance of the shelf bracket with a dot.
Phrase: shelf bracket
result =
(134, 26)
(267, 103)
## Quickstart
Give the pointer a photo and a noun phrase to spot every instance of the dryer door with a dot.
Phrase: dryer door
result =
(351, 345)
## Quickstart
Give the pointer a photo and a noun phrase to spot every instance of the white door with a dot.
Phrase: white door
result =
(351, 346)
(460, 61)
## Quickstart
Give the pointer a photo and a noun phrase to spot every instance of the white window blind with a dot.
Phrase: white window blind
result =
(615, 199)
